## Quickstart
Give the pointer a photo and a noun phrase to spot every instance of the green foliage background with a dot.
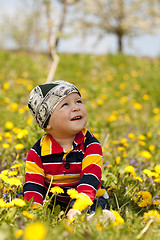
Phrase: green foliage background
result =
(121, 94)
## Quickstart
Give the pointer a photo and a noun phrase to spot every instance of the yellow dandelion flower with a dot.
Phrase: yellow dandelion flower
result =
(156, 118)
(29, 120)
(134, 74)
(112, 118)
(68, 227)
(18, 233)
(100, 102)
(6, 100)
(121, 149)
(125, 76)
(17, 165)
(149, 134)
(156, 202)
(137, 106)
(9, 125)
(12, 173)
(2, 203)
(122, 86)
(119, 219)
(57, 190)
(123, 99)
(5, 172)
(14, 181)
(4, 178)
(154, 214)
(131, 136)
(151, 147)
(36, 231)
(16, 130)
(142, 143)
(130, 169)
(9, 204)
(157, 180)
(118, 160)
(8, 135)
(138, 178)
(150, 173)
(145, 195)
(82, 202)
(135, 199)
(99, 226)
(7, 190)
(28, 215)
(145, 97)
(29, 87)
(157, 168)
(13, 107)
(146, 154)
(73, 193)
(147, 172)
(19, 146)
(22, 133)
(141, 137)
(156, 110)
(5, 145)
(1, 186)
(142, 203)
(123, 140)
(19, 202)
(124, 154)
(6, 86)
(111, 188)
(103, 96)
(146, 199)
(21, 110)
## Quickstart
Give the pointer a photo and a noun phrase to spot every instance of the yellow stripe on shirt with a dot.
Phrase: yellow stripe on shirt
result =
(63, 178)
(32, 167)
(92, 159)
(45, 145)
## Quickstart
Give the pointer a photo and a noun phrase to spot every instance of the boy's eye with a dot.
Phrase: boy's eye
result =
(64, 104)
(79, 101)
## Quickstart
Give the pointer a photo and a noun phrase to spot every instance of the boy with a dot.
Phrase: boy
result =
(68, 153)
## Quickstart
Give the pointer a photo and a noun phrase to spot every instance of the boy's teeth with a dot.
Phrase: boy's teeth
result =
(76, 118)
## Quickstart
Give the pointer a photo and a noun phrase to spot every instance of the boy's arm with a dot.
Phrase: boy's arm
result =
(34, 179)
(91, 170)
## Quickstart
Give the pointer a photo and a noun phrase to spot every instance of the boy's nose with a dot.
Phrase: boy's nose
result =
(75, 108)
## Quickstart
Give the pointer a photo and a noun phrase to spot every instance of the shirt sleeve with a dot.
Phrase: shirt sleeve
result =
(34, 178)
(91, 173)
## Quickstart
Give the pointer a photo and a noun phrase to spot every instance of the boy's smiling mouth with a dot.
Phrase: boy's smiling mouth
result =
(76, 118)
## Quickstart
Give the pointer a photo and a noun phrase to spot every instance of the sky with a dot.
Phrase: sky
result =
(145, 45)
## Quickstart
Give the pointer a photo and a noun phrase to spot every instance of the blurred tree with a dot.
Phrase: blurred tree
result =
(120, 17)
(54, 32)
(22, 28)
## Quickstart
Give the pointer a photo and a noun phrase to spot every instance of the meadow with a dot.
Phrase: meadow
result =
(121, 94)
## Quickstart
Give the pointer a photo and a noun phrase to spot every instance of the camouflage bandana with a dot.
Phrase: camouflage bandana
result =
(44, 98)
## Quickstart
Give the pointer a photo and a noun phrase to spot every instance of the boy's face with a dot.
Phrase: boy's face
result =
(68, 118)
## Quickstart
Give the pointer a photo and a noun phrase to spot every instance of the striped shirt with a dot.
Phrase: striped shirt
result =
(79, 168)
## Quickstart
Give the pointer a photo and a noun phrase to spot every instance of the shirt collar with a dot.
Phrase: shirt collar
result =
(50, 146)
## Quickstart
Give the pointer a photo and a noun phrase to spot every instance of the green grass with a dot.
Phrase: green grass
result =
(121, 94)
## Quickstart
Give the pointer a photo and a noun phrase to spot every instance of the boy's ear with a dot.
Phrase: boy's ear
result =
(48, 127)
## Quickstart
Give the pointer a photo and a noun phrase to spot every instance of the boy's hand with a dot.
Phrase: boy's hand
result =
(72, 213)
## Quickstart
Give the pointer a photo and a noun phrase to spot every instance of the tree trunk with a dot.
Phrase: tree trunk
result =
(120, 44)
(61, 24)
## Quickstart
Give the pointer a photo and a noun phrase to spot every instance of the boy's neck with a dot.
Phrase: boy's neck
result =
(66, 143)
